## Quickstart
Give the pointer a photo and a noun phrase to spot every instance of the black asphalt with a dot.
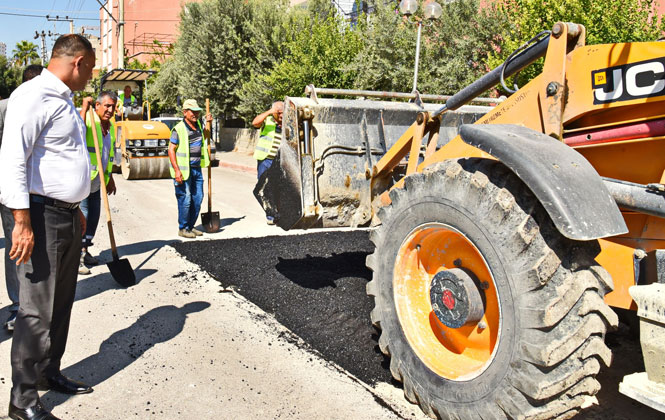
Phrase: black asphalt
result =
(314, 284)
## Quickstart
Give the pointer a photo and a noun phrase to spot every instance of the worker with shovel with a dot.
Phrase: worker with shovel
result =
(105, 127)
(188, 153)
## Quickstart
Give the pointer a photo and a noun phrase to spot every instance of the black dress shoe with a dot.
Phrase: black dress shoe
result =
(36, 412)
(61, 383)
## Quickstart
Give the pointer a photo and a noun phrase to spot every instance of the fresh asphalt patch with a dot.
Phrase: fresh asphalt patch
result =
(314, 284)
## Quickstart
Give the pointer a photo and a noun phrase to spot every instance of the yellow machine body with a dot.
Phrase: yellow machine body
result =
(580, 72)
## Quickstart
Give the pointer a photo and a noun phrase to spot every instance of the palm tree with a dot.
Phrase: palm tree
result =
(24, 53)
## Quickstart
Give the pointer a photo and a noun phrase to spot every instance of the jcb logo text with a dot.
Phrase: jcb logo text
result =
(629, 81)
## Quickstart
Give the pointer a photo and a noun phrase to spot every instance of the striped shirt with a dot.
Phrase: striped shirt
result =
(195, 144)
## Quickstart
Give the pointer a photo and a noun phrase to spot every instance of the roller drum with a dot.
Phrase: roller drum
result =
(145, 168)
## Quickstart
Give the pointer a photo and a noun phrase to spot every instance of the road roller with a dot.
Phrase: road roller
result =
(141, 149)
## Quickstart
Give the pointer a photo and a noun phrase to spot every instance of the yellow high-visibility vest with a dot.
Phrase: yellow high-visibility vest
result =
(90, 141)
(268, 142)
(182, 151)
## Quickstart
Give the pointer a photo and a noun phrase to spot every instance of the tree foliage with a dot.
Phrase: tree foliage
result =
(243, 54)
(387, 59)
(218, 49)
(25, 53)
(316, 51)
(457, 50)
(605, 22)
(10, 77)
(453, 52)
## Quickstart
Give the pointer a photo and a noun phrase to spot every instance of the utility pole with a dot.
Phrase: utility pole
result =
(65, 19)
(121, 34)
(43, 37)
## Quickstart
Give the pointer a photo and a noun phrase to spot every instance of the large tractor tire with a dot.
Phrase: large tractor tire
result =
(485, 309)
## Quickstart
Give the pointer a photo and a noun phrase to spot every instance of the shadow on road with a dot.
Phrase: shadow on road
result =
(123, 347)
(319, 272)
(135, 249)
(4, 314)
(222, 223)
(90, 286)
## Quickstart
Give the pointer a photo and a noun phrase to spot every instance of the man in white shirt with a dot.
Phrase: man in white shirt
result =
(11, 279)
(44, 174)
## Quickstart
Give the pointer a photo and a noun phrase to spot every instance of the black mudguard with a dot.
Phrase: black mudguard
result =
(565, 183)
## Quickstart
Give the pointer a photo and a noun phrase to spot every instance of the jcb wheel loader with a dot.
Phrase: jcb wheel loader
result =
(497, 250)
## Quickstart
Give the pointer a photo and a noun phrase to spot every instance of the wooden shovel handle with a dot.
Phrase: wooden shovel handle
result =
(102, 182)
(209, 130)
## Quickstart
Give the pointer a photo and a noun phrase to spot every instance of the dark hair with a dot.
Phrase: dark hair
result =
(103, 94)
(71, 45)
(32, 71)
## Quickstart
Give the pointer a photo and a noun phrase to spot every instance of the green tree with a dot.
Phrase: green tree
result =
(457, 49)
(454, 49)
(388, 54)
(25, 53)
(317, 51)
(605, 22)
(10, 77)
(215, 53)
(222, 43)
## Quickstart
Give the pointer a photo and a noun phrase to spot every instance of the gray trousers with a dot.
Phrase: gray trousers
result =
(47, 284)
(11, 278)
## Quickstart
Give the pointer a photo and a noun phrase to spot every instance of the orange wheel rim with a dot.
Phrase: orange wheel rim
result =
(453, 353)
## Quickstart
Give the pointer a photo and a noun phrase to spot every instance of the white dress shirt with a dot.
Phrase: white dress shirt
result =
(43, 145)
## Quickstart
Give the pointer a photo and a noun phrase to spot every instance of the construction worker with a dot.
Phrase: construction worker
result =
(270, 123)
(188, 153)
(105, 126)
(126, 97)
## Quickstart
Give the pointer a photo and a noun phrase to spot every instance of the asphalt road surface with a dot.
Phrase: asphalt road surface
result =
(273, 326)
(314, 285)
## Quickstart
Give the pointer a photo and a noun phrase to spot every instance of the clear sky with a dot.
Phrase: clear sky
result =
(15, 28)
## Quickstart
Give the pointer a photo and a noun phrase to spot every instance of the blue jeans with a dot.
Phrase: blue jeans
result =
(190, 196)
(262, 166)
(90, 207)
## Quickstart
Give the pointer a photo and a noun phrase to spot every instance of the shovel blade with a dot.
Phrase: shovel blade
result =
(122, 272)
(210, 221)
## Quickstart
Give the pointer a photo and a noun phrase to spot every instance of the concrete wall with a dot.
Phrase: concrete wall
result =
(240, 140)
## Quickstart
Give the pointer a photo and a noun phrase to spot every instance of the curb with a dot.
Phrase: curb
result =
(238, 167)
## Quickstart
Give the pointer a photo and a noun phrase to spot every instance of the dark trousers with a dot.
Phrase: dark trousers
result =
(11, 279)
(47, 284)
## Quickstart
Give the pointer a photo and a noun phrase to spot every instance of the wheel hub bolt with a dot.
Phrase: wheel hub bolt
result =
(456, 298)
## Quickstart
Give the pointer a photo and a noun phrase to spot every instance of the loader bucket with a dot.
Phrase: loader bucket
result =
(321, 175)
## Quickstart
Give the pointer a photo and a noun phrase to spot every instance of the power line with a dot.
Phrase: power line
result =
(96, 20)
(16, 9)
(39, 16)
